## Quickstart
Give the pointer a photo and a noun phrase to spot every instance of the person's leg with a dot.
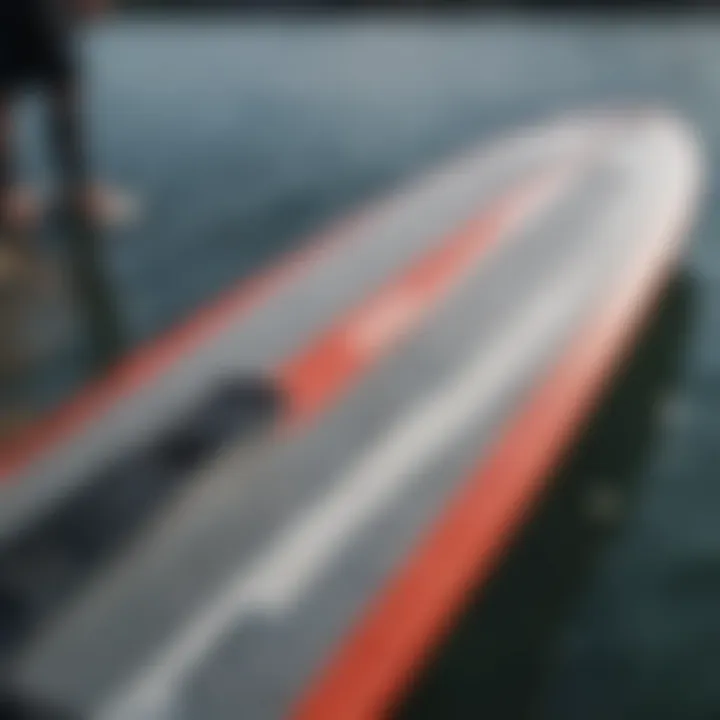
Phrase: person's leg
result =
(10, 71)
(68, 141)
(6, 172)
(58, 71)
(14, 216)
(80, 193)
(83, 211)
(18, 210)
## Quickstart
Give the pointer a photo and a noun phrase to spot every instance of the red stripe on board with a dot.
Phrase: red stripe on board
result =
(374, 665)
(339, 356)
(149, 362)
(317, 374)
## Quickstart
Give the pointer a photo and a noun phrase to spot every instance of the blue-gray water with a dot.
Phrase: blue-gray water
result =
(242, 137)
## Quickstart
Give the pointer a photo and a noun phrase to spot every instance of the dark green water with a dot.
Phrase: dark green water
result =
(241, 138)
(583, 609)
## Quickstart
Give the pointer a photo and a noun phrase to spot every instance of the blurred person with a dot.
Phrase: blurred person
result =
(37, 51)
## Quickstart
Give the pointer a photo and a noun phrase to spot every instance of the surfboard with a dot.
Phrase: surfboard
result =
(277, 509)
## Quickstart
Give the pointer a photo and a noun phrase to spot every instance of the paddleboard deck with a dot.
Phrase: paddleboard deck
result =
(276, 509)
